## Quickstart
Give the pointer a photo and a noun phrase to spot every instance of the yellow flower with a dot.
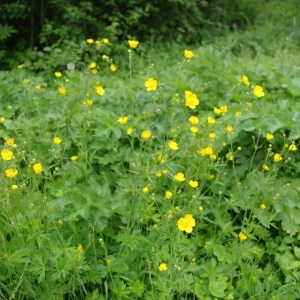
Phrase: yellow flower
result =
(245, 80)
(129, 131)
(160, 158)
(217, 111)
(113, 67)
(165, 171)
(38, 87)
(105, 57)
(98, 43)
(200, 208)
(188, 54)
(212, 135)
(150, 84)
(6, 154)
(194, 120)
(191, 99)
(292, 147)
(263, 206)
(168, 195)
(158, 174)
(37, 168)
(14, 187)
(122, 120)
(194, 129)
(277, 158)
(100, 90)
(10, 142)
(145, 190)
(133, 44)
(173, 145)
(62, 90)
(2, 120)
(9, 107)
(93, 65)
(146, 134)
(238, 115)
(11, 173)
(87, 102)
(186, 223)
(229, 129)
(258, 91)
(105, 40)
(269, 136)
(90, 41)
(265, 167)
(206, 151)
(57, 140)
(74, 157)
(80, 248)
(162, 267)
(21, 66)
(179, 177)
(57, 74)
(230, 156)
(193, 183)
(211, 120)
(242, 236)
(25, 81)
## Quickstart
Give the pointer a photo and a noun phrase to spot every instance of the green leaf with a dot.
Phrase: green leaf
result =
(218, 286)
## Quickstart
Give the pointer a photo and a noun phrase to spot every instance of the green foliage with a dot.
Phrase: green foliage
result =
(97, 223)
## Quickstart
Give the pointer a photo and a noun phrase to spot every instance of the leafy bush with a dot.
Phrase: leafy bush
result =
(110, 190)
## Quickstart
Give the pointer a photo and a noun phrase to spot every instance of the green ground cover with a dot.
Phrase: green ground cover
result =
(163, 172)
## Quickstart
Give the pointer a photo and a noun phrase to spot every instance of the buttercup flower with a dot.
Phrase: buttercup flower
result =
(194, 129)
(269, 136)
(229, 129)
(93, 65)
(10, 142)
(186, 223)
(211, 120)
(292, 147)
(74, 157)
(194, 120)
(11, 173)
(265, 167)
(145, 189)
(38, 87)
(193, 183)
(146, 134)
(26, 81)
(162, 267)
(58, 74)
(105, 40)
(80, 248)
(150, 84)
(277, 158)
(113, 67)
(191, 99)
(57, 140)
(263, 206)
(37, 168)
(258, 91)
(133, 44)
(206, 151)
(129, 130)
(62, 90)
(14, 187)
(188, 54)
(245, 80)
(99, 90)
(242, 236)
(122, 120)
(6, 154)
(168, 195)
(179, 177)
(90, 41)
(212, 135)
(87, 102)
(173, 145)
(2, 120)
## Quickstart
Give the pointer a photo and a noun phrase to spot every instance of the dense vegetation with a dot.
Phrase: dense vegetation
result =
(135, 169)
